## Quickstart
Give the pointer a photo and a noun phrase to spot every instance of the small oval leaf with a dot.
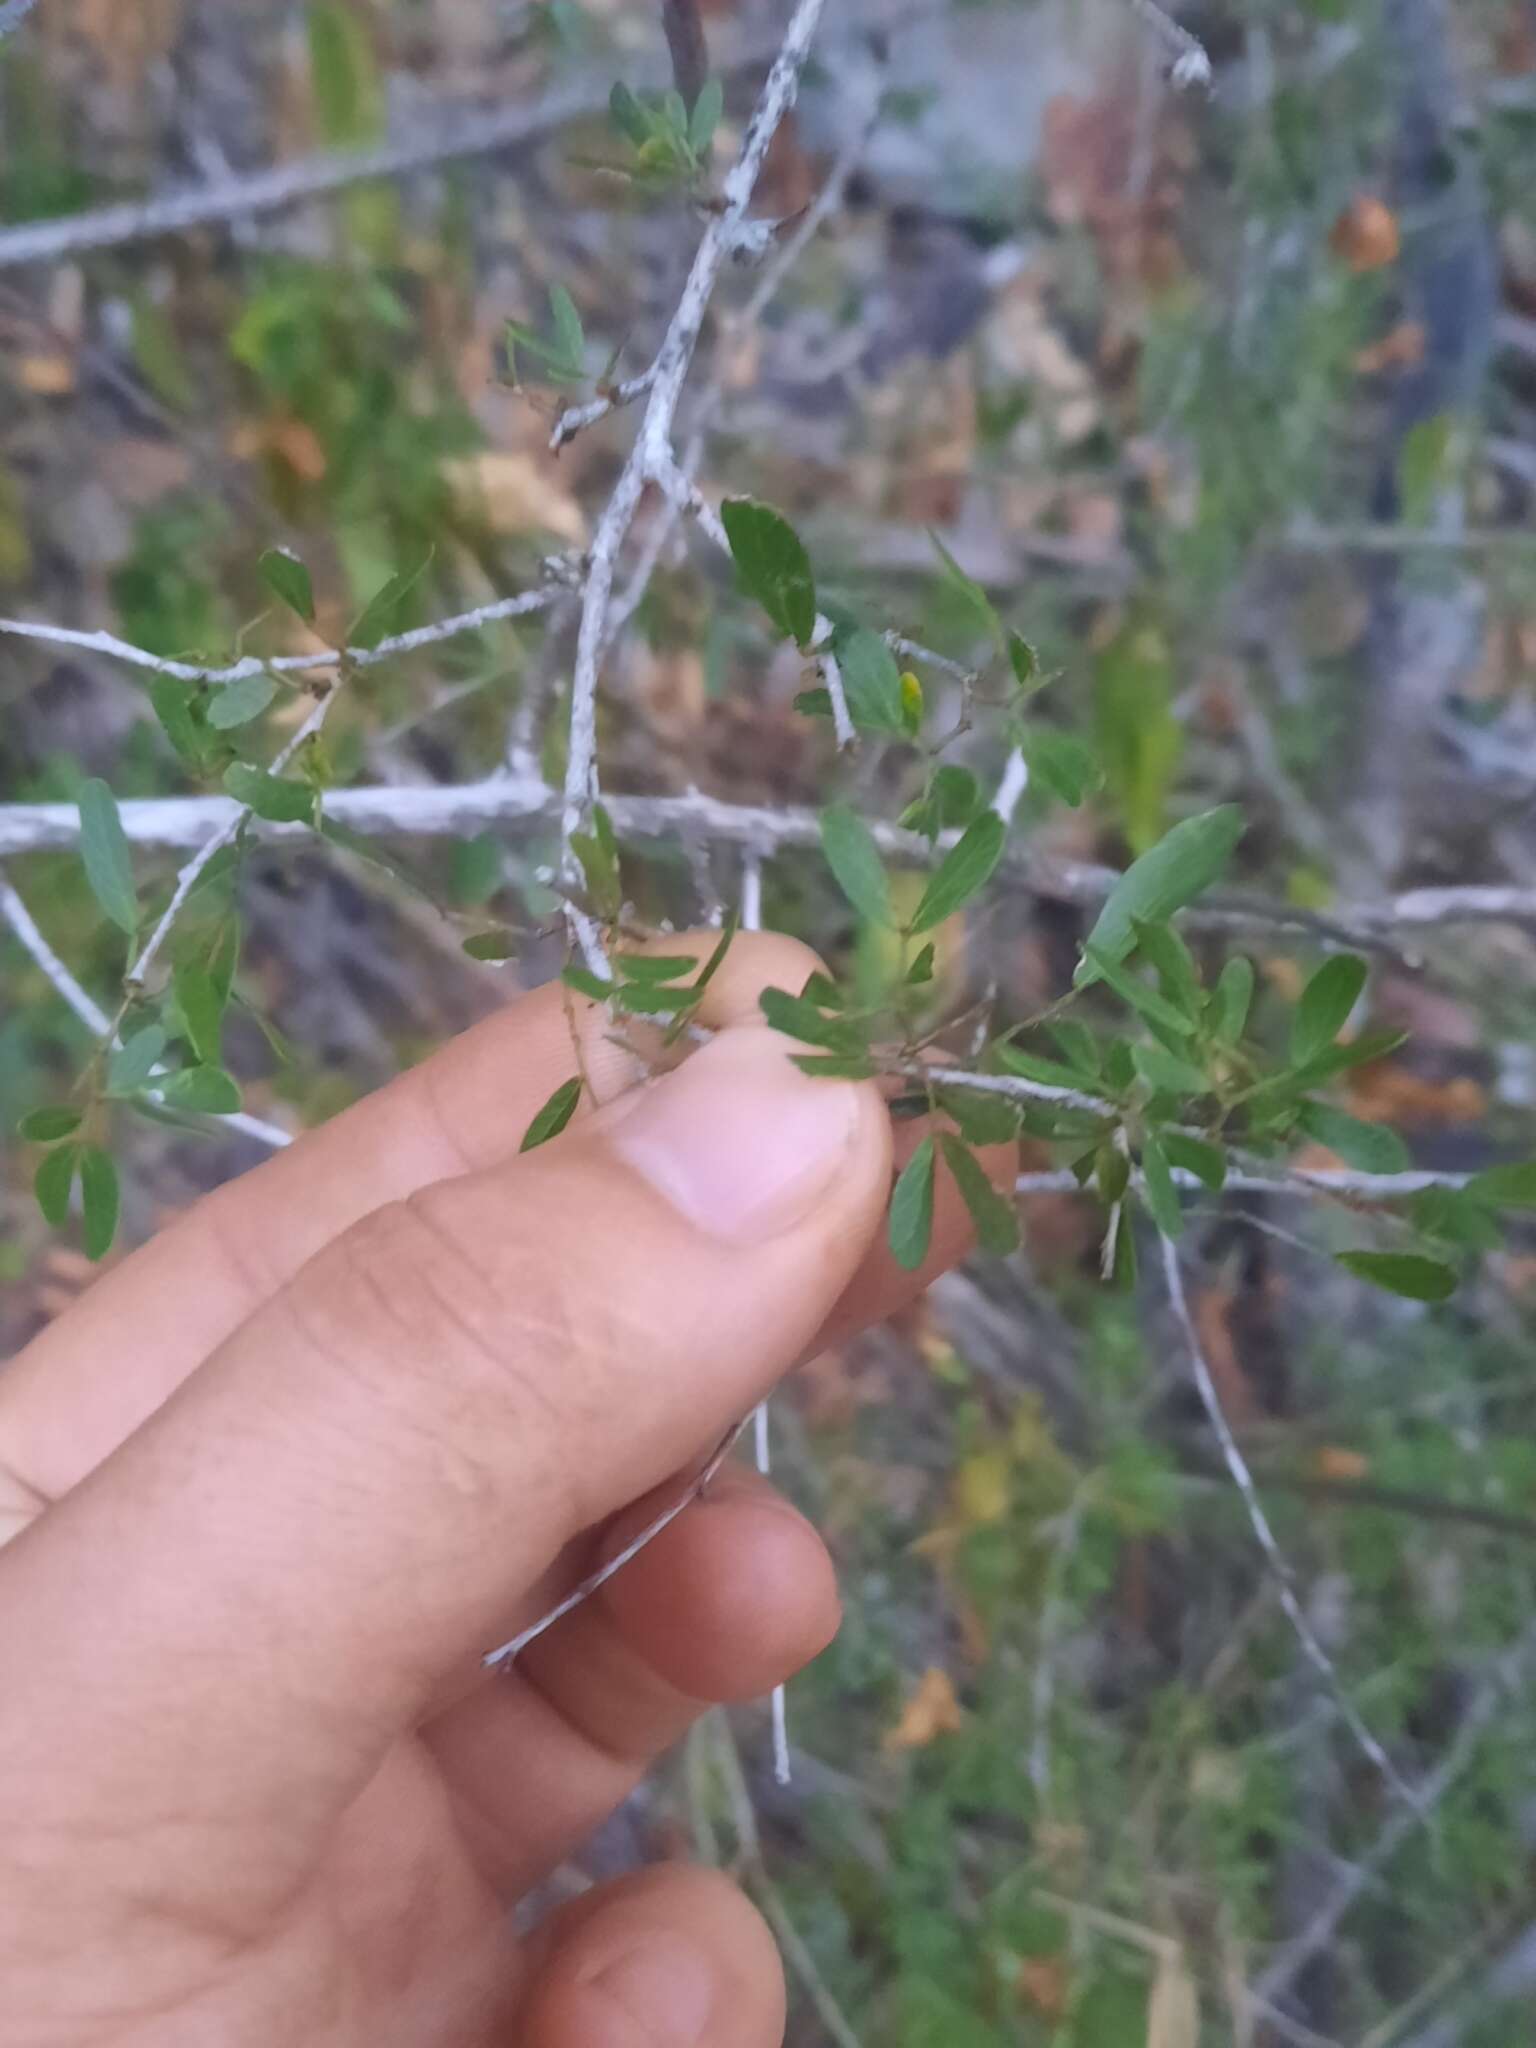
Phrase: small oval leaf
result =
(288, 579)
(104, 850)
(910, 1224)
(855, 862)
(43, 1126)
(965, 869)
(1405, 1273)
(554, 1116)
(98, 1200)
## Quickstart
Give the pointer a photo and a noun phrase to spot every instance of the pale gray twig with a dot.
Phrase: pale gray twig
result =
(12, 14)
(1355, 1878)
(751, 908)
(507, 1654)
(1190, 64)
(288, 664)
(652, 459)
(1258, 1521)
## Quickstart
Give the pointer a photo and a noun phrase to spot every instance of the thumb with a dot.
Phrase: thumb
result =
(268, 1580)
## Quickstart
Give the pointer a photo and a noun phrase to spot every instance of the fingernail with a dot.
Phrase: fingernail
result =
(738, 1139)
(664, 1985)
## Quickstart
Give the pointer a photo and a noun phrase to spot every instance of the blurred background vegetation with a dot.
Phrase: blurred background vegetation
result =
(1229, 400)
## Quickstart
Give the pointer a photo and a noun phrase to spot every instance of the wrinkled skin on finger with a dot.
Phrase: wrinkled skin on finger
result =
(278, 1479)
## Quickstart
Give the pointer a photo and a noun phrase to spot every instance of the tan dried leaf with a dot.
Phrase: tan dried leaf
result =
(1173, 2011)
(933, 1710)
(514, 493)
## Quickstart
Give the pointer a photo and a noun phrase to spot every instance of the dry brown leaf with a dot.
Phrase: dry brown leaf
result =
(1334, 1461)
(1042, 1982)
(513, 493)
(46, 376)
(932, 1711)
(1394, 1094)
(1366, 235)
(1402, 348)
(1173, 2011)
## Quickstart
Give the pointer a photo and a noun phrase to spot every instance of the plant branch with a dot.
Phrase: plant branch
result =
(1258, 1521)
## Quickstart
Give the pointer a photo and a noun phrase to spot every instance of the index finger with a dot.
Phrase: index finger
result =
(88, 1380)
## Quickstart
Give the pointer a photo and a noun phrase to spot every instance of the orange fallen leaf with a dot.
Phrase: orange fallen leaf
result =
(1333, 1461)
(1366, 235)
(1042, 1983)
(46, 376)
(933, 1710)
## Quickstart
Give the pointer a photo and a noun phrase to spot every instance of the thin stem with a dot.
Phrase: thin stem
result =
(1258, 1521)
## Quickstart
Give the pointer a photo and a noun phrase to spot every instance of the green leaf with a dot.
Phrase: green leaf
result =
(823, 992)
(1158, 1189)
(969, 591)
(288, 580)
(921, 970)
(652, 967)
(773, 566)
(343, 78)
(588, 984)
(997, 1223)
(598, 854)
(554, 1116)
(723, 944)
(628, 115)
(1505, 1187)
(1207, 1162)
(98, 1200)
(104, 850)
(380, 616)
(1166, 1074)
(1338, 1059)
(1325, 1006)
(981, 1117)
(201, 1003)
(172, 701)
(965, 869)
(1406, 1273)
(1024, 662)
(1169, 875)
(1063, 763)
(705, 118)
(910, 1224)
(1164, 951)
(855, 862)
(1231, 1000)
(797, 1018)
(871, 683)
(475, 867)
(363, 848)
(207, 1090)
(815, 703)
(135, 1060)
(1081, 1079)
(1145, 1001)
(43, 1126)
(569, 338)
(648, 999)
(953, 797)
(835, 1066)
(1451, 1215)
(240, 701)
(272, 797)
(493, 945)
(53, 1180)
(1373, 1148)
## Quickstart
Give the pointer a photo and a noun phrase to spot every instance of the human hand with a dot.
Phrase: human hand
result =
(278, 1480)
